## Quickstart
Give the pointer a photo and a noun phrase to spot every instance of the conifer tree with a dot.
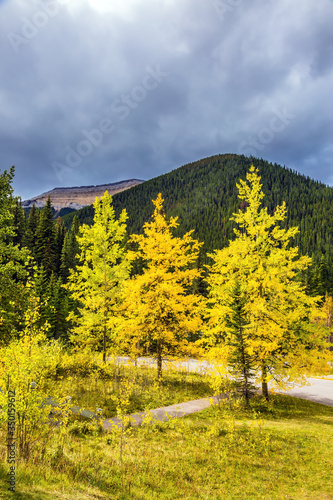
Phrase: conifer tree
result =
(284, 343)
(320, 278)
(58, 243)
(66, 256)
(7, 203)
(40, 287)
(70, 249)
(238, 337)
(45, 239)
(56, 308)
(19, 223)
(160, 311)
(29, 239)
(13, 264)
(98, 279)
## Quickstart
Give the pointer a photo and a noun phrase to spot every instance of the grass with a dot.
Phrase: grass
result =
(95, 387)
(270, 451)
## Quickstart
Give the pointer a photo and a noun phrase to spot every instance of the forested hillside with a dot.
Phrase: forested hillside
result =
(204, 196)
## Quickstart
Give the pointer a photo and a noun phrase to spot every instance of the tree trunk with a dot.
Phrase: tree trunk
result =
(264, 384)
(246, 381)
(159, 362)
(246, 387)
(104, 343)
(159, 367)
(137, 353)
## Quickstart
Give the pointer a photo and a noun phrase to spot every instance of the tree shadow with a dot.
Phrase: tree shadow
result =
(281, 406)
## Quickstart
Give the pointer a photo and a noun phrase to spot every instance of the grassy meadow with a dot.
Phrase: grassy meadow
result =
(91, 385)
(276, 450)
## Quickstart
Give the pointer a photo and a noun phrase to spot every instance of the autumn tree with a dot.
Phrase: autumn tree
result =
(281, 339)
(25, 365)
(161, 313)
(97, 281)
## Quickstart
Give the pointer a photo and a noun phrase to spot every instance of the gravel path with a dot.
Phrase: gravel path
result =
(319, 390)
(163, 414)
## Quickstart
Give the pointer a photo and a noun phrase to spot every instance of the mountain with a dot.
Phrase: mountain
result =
(74, 198)
(204, 196)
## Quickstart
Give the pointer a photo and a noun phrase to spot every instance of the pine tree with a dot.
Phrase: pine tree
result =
(7, 203)
(328, 319)
(70, 250)
(60, 232)
(238, 337)
(98, 279)
(45, 240)
(56, 308)
(29, 239)
(320, 278)
(19, 223)
(13, 264)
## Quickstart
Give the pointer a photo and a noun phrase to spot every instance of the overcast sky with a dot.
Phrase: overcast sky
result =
(97, 91)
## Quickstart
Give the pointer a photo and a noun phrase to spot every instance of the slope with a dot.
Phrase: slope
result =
(204, 196)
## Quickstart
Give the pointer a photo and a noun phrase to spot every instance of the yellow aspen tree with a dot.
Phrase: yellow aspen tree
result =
(160, 312)
(99, 276)
(281, 341)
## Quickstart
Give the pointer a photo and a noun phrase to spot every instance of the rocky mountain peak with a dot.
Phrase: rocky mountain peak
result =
(78, 196)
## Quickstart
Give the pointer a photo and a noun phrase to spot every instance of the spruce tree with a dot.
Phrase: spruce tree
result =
(59, 243)
(238, 336)
(13, 264)
(19, 223)
(45, 240)
(7, 204)
(70, 250)
(56, 308)
(29, 239)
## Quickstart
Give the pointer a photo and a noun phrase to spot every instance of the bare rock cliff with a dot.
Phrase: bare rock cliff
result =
(80, 196)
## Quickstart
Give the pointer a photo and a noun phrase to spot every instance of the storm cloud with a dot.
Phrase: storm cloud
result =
(99, 91)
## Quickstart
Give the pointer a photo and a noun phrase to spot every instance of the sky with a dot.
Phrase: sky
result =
(98, 91)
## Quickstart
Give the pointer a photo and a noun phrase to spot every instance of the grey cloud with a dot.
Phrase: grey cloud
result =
(226, 79)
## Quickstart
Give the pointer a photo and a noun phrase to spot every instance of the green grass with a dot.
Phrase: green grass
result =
(101, 388)
(280, 450)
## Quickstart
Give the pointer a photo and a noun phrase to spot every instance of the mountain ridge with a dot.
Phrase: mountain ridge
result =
(77, 197)
(203, 194)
